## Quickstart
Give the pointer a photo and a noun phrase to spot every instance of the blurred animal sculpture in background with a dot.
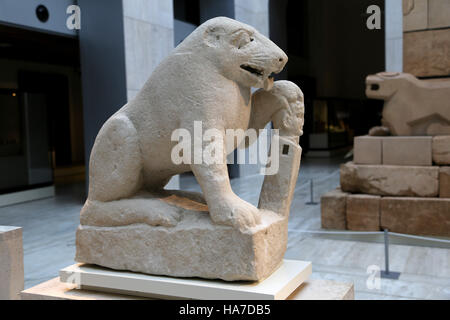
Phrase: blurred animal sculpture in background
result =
(412, 107)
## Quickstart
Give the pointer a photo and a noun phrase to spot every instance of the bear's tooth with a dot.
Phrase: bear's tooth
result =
(268, 84)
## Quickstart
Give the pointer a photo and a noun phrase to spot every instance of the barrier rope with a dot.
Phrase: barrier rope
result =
(370, 233)
(322, 179)
(329, 176)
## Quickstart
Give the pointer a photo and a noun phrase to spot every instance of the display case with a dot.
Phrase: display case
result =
(330, 128)
(24, 141)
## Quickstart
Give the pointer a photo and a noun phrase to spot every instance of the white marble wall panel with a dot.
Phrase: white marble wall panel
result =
(149, 38)
(394, 35)
(159, 12)
(254, 13)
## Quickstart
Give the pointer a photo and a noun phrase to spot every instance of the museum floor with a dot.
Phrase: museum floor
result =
(49, 234)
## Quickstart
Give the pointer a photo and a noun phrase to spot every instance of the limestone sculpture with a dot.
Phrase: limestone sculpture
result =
(129, 222)
(412, 107)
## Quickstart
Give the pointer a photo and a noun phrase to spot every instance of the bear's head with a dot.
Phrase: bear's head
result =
(240, 52)
(384, 85)
(290, 118)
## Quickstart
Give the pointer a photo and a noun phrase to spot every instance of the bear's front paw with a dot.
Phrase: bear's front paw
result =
(379, 131)
(233, 211)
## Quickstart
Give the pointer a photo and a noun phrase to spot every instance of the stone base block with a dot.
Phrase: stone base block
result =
(367, 150)
(412, 181)
(400, 151)
(444, 182)
(319, 289)
(407, 151)
(193, 248)
(11, 263)
(333, 208)
(363, 212)
(420, 216)
(441, 150)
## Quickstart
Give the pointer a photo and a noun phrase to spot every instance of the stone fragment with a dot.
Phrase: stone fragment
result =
(407, 151)
(11, 263)
(367, 150)
(412, 107)
(420, 216)
(386, 180)
(441, 150)
(363, 212)
(444, 182)
(333, 207)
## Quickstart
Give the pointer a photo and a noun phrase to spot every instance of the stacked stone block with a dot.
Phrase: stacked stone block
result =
(398, 183)
(426, 37)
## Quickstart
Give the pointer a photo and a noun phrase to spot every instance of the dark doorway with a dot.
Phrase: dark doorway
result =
(42, 142)
(56, 90)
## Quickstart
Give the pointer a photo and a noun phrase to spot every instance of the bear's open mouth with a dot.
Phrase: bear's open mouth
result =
(252, 70)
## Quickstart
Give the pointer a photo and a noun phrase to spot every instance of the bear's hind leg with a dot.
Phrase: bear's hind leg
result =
(116, 182)
(115, 166)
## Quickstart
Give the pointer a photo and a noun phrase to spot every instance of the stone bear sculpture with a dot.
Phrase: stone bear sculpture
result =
(412, 107)
(130, 222)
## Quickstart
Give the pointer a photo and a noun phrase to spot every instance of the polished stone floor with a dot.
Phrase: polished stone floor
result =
(49, 233)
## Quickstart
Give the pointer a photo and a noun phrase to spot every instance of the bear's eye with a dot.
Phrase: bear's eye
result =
(251, 39)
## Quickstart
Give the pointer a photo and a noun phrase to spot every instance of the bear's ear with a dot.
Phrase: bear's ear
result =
(213, 36)
(387, 74)
(240, 38)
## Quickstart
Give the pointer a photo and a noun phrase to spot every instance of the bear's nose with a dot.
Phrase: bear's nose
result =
(280, 61)
(282, 58)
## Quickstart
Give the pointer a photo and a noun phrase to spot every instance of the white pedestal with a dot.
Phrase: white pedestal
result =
(285, 280)
(56, 290)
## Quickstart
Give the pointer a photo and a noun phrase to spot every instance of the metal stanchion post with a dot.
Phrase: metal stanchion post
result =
(386, 273)
(386, 250)
(311, 190)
